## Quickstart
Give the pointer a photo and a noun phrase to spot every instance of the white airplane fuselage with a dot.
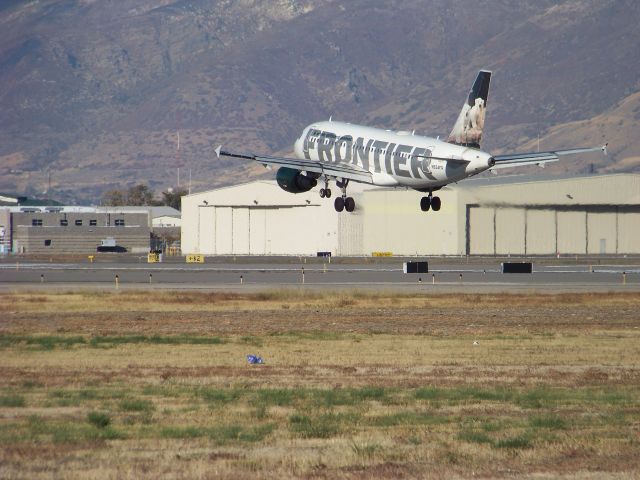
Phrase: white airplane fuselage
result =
(393, 158)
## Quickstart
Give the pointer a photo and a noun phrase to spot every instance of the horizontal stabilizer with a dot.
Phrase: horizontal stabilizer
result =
(539, 158)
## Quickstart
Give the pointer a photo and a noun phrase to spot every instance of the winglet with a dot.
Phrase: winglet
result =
(604, 148)
(218, 150)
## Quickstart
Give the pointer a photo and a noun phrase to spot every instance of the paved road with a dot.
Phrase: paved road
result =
(443, 277)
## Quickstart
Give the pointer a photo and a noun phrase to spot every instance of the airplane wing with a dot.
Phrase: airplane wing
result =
(337, 170)
(539, 158)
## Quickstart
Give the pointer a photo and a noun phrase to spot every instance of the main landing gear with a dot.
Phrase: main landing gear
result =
(344, 203)
(340, 203)
(430, 202)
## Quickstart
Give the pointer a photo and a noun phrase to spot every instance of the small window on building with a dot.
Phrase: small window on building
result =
(36, 222)
(78, 223)
(64, 222)
(47, 243)
(120, 222)
(93, 223)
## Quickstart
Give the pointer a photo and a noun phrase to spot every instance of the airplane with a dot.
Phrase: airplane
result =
(342, 152)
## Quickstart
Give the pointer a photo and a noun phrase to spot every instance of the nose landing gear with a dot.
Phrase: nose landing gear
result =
(326, 191)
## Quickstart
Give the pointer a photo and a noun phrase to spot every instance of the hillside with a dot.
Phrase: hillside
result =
(97, 94)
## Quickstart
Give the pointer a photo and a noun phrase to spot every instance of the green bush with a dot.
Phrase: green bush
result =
(135, 405)
(99, 419)
(518, 442)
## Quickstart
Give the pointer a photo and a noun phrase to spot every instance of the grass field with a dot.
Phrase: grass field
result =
(355, 385)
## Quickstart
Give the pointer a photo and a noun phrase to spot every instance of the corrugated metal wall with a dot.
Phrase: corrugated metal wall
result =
(393, 222)
(350, 231)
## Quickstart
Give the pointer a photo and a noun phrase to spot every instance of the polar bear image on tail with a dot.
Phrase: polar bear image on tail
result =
(476, 116)
(470, 124)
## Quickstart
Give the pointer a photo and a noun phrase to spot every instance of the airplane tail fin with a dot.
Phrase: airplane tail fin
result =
(470, 124)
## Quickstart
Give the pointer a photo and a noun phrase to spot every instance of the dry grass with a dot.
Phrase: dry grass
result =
(135, 301)
(354, 386)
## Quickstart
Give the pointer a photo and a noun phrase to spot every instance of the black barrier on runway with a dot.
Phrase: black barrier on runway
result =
(416, 267)
(517, 267)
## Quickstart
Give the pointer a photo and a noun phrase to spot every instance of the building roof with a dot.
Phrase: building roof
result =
(502, 179)
(153, 211)
(12, 200)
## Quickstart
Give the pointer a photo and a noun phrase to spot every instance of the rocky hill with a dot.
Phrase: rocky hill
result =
(95, 92)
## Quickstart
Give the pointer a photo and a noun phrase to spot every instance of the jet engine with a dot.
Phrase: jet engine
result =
(294, 181)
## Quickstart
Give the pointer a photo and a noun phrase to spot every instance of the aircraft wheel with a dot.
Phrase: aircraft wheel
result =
(322, 193)
(327, 193)
(339, 204)
(349, 204)
(425, 204)
(436, 203)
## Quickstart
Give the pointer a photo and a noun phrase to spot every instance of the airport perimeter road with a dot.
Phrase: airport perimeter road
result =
(448, 276)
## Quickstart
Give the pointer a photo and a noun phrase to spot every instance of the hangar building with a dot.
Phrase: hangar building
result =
(508, 215)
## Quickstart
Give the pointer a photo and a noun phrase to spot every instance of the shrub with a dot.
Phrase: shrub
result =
(99, 419)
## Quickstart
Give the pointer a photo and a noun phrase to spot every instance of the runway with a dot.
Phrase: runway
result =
(449, 275)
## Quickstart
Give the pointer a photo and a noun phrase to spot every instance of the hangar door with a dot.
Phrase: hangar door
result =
(572, 232)
(257, 231)
(496, 231)
(541, 232)
(510, 228)
(232, 230)
(240, 229)
(629, 232)
(223, 231)
(601, 232)
(480, 234)
(549, 229)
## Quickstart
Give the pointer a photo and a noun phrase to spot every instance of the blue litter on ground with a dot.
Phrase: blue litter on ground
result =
(254, 360)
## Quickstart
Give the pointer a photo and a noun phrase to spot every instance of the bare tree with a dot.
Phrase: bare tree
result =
(114, 198)
(140, 195)
(172, 198)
